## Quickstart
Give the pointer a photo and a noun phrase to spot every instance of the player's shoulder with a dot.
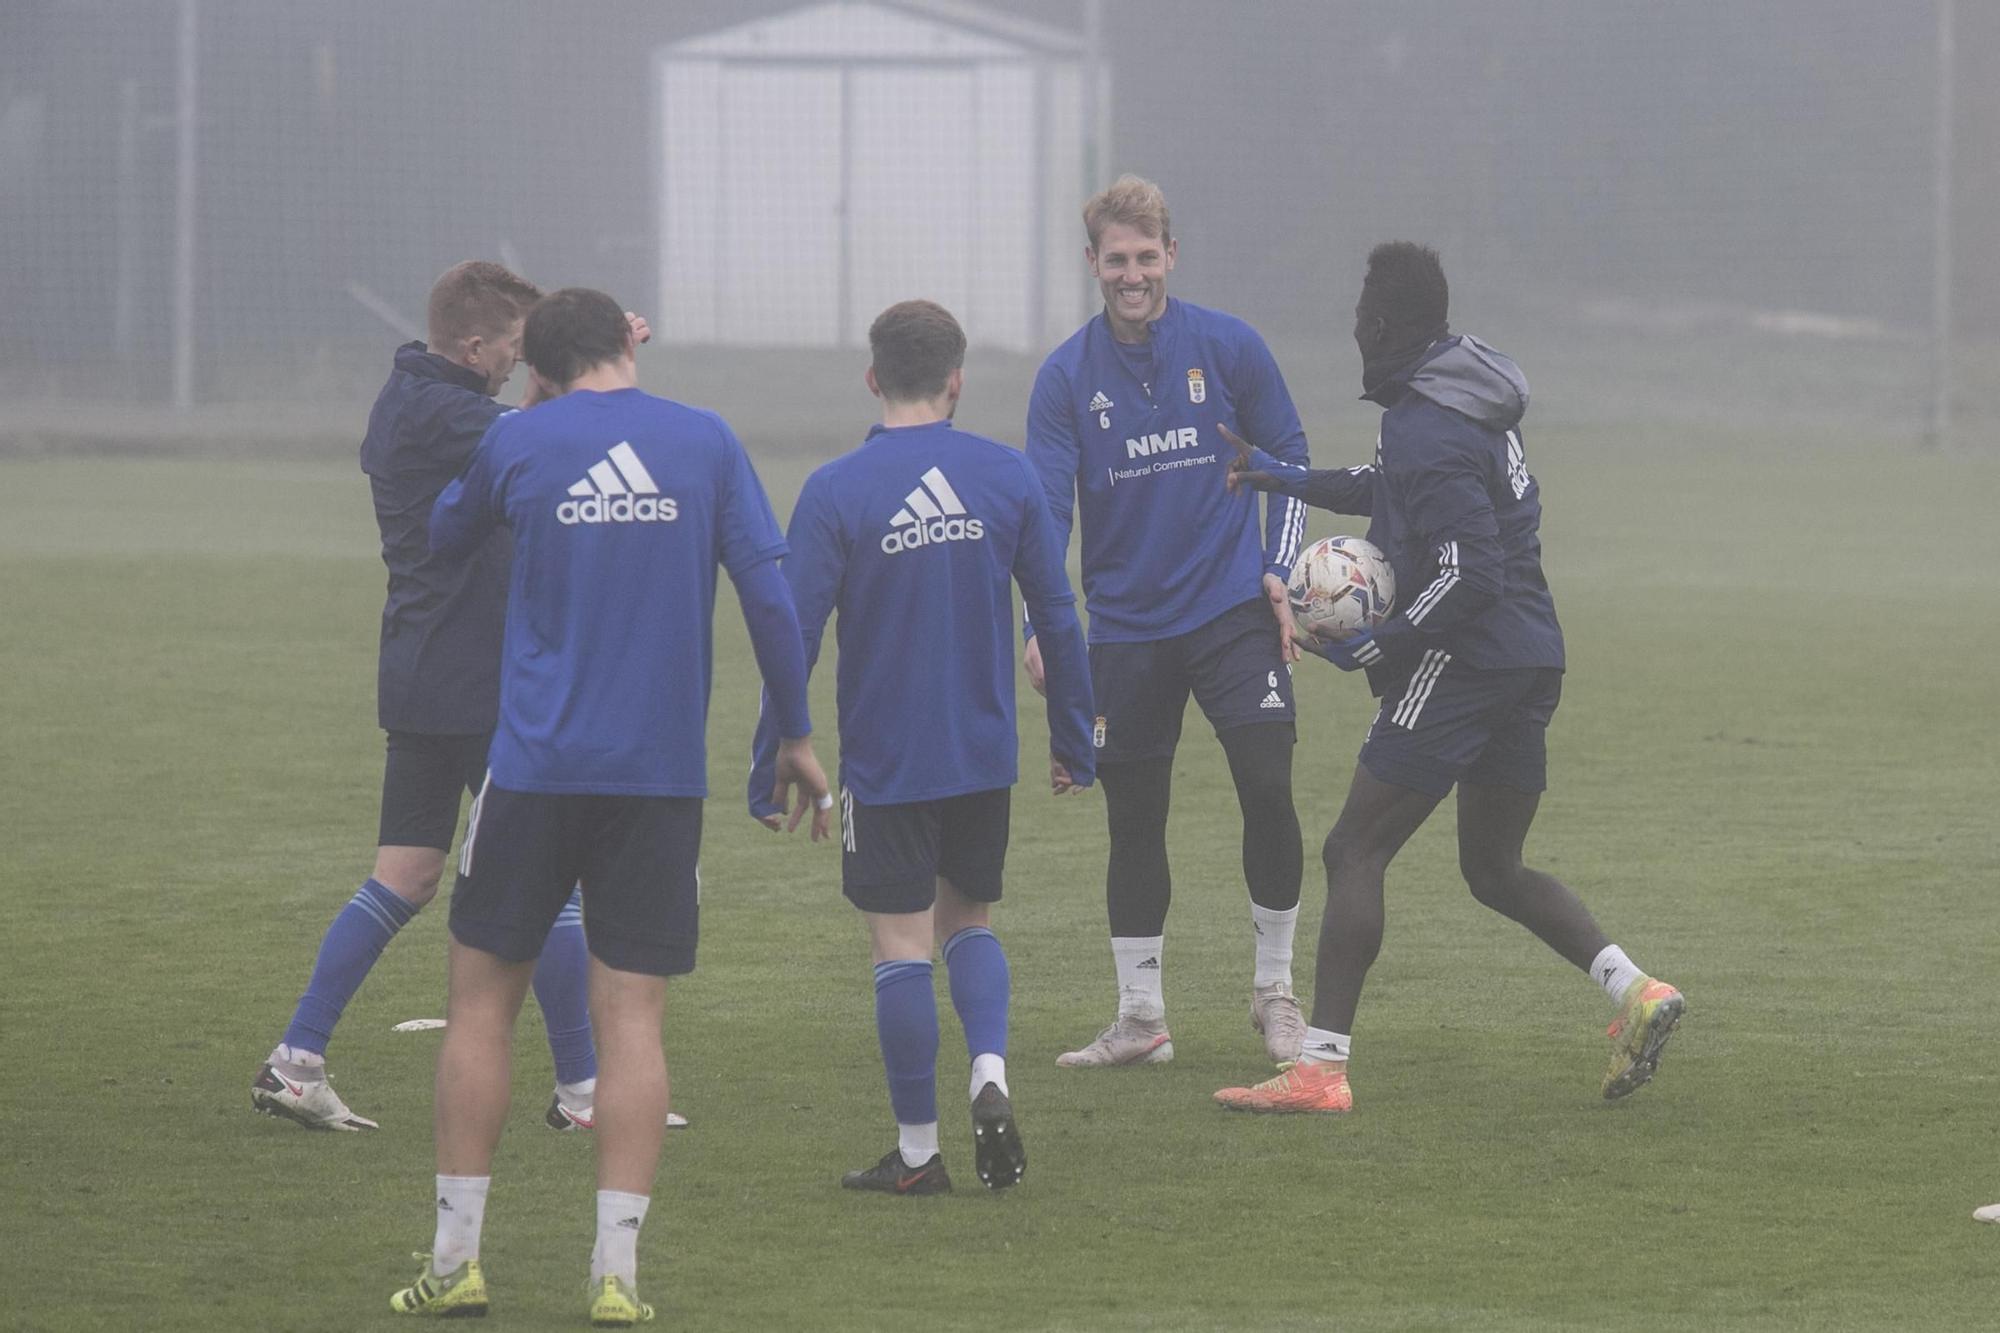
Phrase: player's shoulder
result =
(1418, 432)
(1217, 324)
(657, 420)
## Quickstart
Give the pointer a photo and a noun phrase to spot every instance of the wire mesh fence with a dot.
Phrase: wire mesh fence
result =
(1703, 210)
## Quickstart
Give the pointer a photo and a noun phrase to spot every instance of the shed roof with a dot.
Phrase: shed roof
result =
(854, 28)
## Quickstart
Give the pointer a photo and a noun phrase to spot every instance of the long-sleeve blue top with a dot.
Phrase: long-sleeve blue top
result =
(1124, 437)
(623, 506)
(913, 541)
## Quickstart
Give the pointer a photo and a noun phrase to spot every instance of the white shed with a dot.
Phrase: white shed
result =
(824, 163)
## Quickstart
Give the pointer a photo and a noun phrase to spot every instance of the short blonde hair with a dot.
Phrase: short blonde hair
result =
(477, 298)
(1133, 201)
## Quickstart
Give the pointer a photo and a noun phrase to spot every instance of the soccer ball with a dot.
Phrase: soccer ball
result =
(1340, 587)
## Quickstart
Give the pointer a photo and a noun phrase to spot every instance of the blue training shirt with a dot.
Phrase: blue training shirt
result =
(1166, 547)
(912, 538)
(622, 506)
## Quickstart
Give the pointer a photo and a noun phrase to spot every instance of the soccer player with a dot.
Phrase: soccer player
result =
(438, 687)
(622, 506)
(912, 539)
(1184, 595)
(1469, 672)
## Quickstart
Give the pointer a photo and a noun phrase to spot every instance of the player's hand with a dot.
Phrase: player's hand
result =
(1280, 598)
(642, 332)
(1031, 658)
(1352, 654)
(1243, 470)
(798, 764)
(1060, 782)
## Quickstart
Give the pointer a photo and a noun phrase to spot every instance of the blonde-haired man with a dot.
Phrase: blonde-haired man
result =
(1185, 585)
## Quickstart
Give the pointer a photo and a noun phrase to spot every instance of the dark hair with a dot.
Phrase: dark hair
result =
(571, 331)
(916, 346)
(477, 298)
(1405, 286)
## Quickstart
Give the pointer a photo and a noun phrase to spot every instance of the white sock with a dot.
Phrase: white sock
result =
(619, 1217)
(989, 1069)
(461, 1212)
(302, 1066)
(1274, 943)
(1323, 1047)
(918, 1143)
(1138, 959)
(577, 1096)
(1615, 972)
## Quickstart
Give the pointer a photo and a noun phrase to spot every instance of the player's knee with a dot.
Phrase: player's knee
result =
(414, 879)
(1490, 878)
(1341, 852)
(1136, 797)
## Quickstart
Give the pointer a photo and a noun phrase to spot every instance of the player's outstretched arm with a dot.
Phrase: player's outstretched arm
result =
(1345, 490)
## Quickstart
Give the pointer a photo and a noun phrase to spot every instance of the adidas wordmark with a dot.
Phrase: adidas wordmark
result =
(931, 513)
(618, 490)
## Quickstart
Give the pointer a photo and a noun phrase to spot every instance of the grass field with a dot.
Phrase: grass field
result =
(1774, 778)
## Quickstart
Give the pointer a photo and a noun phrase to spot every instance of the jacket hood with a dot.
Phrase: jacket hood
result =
(1473, 380)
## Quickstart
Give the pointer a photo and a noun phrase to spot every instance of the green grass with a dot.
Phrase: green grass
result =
(1774, 777)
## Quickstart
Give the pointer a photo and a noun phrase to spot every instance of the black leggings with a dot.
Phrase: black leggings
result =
(1138, 886)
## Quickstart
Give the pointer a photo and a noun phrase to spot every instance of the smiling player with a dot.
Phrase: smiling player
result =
(1186, 593)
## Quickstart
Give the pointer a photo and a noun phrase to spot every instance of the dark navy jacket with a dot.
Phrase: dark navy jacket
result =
(441, 626)
(1452, 504)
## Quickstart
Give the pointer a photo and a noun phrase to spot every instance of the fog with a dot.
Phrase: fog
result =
(1708, 209)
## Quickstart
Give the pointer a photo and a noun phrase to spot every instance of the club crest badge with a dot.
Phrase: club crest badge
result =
(1097, 734)
(1197, 387)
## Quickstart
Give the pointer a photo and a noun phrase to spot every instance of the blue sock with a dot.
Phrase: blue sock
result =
(562, 989)
(906, 1022)
(980, 986)
(353, 942)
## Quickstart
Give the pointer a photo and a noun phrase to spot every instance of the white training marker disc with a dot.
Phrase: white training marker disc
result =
(418, 1025)
(1990, 1213)
(675, 1120)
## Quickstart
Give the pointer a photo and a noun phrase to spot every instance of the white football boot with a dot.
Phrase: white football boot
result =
(308, 1101)
(1129, 1041)
(1274, 1011)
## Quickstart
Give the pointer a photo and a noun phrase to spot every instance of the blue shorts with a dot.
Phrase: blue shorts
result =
(892, 856)
(425, 778)
(1443, 724)
(1233, 665)
(634, 856)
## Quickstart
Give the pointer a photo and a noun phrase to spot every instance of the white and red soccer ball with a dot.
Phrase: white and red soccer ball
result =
(1340, 587)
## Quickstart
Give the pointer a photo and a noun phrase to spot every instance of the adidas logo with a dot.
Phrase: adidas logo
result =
(618, 490)
(629, 1222)
(1153, 963)
(930, 513)
(1272, 700)
(1099, 403)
